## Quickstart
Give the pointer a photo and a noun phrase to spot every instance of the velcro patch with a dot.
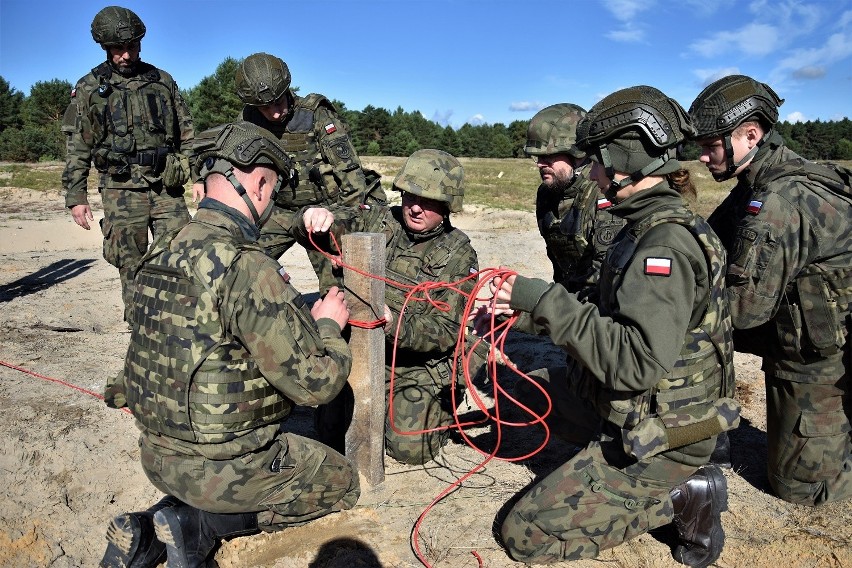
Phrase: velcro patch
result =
(658, 266)
(604, 203)
(284, 275)
(754, 206)
(330, 127)
(73, 92)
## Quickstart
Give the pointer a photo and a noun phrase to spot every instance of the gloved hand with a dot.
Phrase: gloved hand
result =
(176, 173)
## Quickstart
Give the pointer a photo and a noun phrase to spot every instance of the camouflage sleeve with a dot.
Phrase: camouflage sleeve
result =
(343, 165)
(632, 348)
(772, 244)
(76, 124)
(306, 360)
(183, 117)
(431, 329)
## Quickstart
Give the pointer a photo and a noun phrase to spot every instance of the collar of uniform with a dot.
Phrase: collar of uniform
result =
(640, 203)
(247, 229)
(763, 158)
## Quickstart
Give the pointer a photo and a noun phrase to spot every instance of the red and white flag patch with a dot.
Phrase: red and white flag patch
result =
(754, 206)
(658, 266)
(603, 203)
(330, 127)
(73, 92)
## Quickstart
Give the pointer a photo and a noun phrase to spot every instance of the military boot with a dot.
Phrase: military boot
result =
(698, 503)
(721, 455)
(131, 542)
(190, 534)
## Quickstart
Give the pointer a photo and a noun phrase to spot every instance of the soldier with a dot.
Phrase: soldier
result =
(422, 245)
(221, 349)
(786, 227)
(572, 212)
(327, 168)
(130, 119)
(656, 351)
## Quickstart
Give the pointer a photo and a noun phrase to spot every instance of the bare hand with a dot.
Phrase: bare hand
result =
(82, 214)
(197, 191)
(501, 291)
(333, 306)
(318, 219)
(388, 315)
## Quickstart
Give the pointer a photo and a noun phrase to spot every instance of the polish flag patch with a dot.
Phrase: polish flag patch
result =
(330, 127)
(603, 203)
(73, 92)
(754, 207)
(658, 266)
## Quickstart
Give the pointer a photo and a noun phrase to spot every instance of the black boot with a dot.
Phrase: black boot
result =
(190, 534)
(131, 542)
(698, 503)
(721, 455)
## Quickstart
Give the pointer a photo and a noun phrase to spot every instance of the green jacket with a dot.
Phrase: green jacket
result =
(222, 346)
(126, 125)
(790, 253)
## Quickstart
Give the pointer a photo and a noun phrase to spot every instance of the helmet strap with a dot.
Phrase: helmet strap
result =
(615, 186)
(242, 192)
(729, 154)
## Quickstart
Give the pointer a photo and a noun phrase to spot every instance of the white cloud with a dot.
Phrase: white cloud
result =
(707, 76)
(836, 48)
(753, 39)
(845, 19)
(626, 10)
(627, 34)
(523, 106)
(442, 118)
(476, 120)
(796, 117)
(810, 72)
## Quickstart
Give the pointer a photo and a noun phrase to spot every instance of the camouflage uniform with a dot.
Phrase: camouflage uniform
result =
(211, 400)
(130, 126)
(790, 256)
(327, 168)
(786, 228)
(657, 362)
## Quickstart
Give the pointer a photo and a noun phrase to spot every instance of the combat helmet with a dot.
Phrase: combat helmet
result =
(244, 145)
(727, 103)
(553, 130)
(262, 79)
(115, 25)
(433, 174)
(636, 131)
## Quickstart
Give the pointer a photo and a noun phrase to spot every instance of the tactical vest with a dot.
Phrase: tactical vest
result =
(176, 384)
(133, 120)
(691, 402)
(412, 265)
(568, 232)
(308, 185)
(813, 319)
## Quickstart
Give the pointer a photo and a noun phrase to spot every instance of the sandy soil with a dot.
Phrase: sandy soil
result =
(68, 463)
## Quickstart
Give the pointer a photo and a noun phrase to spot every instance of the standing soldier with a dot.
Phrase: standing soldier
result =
(786, 227)
(130, 119)
(656, 350)
(572, 212)
(421, 245)
(221, 349)
(327, 168)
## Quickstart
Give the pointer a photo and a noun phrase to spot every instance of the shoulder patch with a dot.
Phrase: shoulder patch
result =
(330, 127)
(284, 275)
(73, 92)
(658, 266)
(604, 203)
(754, 206)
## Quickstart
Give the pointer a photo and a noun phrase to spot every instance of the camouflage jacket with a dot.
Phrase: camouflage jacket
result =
(222, 346)
(790, 254)
(655, 346)
(577, 228)
(327, 168)
(442, 255)
(126, 125)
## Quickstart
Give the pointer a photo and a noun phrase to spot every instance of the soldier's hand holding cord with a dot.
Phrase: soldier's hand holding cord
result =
(318, 219)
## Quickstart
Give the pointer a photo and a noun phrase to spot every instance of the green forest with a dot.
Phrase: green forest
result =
(30, 125)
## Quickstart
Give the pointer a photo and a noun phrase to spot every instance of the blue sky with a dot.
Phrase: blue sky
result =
(473, 61)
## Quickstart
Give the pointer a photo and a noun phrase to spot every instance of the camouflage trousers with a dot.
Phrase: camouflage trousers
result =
(128, 215)
(809, 431)
(292, 481)
(276, 237)
(589, 504)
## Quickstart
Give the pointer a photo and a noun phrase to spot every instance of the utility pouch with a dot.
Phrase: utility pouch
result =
(681, 427)
(820, 316)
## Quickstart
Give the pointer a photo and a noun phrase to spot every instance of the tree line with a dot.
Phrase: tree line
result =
(30, 125)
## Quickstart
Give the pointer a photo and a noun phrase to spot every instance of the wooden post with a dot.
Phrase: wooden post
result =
(365, 438)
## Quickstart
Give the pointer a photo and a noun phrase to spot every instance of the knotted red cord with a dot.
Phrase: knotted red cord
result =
(462, 356)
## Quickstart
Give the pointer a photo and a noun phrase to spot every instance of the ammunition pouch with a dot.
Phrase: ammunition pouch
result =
(681, 427)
